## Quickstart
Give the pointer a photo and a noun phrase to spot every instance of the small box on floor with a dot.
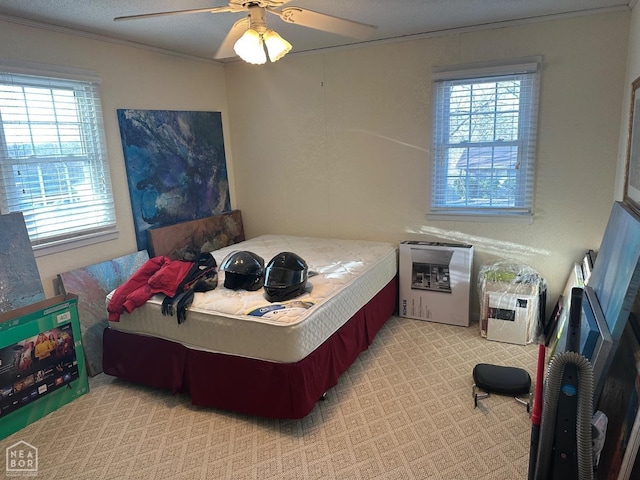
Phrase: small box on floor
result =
(512, 301)
(510, 316)
(435, 280)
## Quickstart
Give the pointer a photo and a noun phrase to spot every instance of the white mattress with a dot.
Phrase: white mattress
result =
(349, 274)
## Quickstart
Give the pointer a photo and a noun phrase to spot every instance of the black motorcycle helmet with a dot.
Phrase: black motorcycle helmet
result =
(285, 277)
(243, 270)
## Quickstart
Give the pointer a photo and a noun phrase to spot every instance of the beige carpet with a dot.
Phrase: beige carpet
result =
(402, 411)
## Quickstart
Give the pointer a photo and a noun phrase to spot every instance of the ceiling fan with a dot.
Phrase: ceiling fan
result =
(251, 40)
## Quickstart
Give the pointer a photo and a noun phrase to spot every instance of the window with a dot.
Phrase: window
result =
(53, 163)
(484, 140)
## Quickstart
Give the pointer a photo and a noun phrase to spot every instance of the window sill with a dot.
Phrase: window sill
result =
(73, 243)
(523, 218)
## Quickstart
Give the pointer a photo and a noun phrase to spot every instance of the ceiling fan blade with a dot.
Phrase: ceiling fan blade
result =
(327, 23)
(226, 49)
(180, 12)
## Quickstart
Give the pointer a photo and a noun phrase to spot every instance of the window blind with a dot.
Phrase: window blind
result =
(484, 140)
(53, 163)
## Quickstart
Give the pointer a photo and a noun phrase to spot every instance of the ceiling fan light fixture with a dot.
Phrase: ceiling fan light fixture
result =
(258, 41)
(277, 47)
(250, 47)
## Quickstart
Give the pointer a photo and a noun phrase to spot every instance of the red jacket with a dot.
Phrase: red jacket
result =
(156, 275)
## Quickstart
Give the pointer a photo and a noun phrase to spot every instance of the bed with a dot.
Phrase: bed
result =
(237, 351)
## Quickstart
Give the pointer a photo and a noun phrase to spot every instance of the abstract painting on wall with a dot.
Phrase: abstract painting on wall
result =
(20, 283)
(92, 284)
(176, 167)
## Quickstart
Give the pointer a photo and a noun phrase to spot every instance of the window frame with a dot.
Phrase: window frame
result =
(444, 78)
(91, 160)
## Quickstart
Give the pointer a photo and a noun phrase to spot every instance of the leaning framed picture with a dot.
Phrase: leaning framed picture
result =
(632, 172)
(619, 401)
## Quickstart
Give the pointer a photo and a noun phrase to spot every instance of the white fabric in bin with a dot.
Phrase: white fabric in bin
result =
(349, 274)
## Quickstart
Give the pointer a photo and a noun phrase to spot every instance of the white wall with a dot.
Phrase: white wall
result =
(131, 78)
(338, 144)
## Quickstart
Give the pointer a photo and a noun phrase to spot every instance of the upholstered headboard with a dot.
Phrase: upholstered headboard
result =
(187, 239)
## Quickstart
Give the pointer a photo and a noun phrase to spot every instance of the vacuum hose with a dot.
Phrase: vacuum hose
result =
(584, 414)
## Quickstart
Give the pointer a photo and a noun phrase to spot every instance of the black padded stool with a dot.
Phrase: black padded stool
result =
(502, 380)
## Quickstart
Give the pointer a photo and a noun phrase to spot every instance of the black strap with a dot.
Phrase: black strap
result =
(201, 277)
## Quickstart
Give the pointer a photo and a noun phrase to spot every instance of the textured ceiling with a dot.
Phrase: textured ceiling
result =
(201, 34)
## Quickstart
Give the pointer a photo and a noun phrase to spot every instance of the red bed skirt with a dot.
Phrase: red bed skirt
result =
(245, 385)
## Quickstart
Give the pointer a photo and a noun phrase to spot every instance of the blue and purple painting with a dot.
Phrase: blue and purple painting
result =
(92, 284)
(176, 167)
(616, 273)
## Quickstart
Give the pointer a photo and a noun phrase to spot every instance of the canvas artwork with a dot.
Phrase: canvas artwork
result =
(187, 239)
(620, 402)
(176, 167)
(20, 283)
(616, 273)
(92, 284)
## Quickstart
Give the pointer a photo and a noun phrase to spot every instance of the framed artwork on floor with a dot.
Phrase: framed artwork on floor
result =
(620, 401)
(92, 284)
(616, 273)
(20, 283)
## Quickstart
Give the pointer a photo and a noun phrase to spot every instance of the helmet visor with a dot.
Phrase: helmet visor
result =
(283, 277)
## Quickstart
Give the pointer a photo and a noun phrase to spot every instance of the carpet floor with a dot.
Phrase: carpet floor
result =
(403, 410)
